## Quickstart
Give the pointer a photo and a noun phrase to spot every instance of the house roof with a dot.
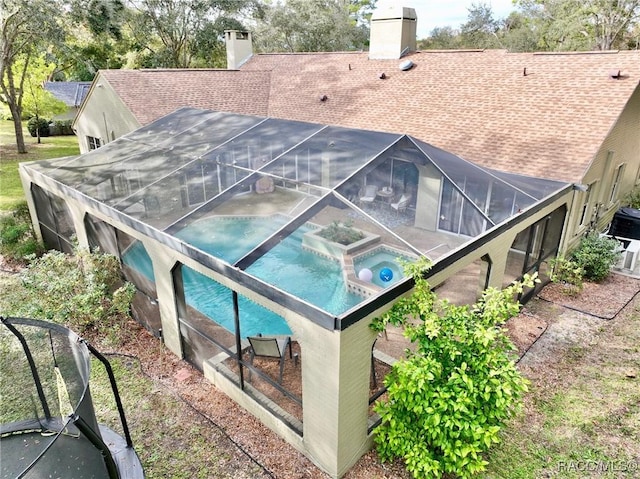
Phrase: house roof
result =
(538, 114)
(151, 94)
(72, 93)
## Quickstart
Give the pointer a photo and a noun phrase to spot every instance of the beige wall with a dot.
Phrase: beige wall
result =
(621, 147)
(103, 115)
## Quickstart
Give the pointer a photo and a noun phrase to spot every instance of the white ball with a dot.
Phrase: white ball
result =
(365, 274)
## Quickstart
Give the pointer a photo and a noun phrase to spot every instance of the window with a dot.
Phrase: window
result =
(585, 216)
(93, 143)
(615, 185)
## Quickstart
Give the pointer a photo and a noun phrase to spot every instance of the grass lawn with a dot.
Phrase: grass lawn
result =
(50, 147)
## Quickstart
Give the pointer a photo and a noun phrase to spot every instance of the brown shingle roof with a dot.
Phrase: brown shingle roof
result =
(150, 94)
(477, 104)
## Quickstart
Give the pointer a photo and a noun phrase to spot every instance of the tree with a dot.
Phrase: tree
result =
(170, 31)
(311, 26)
(26, 26)
(97, 38)
(447, 402)
(480, 30)
(583, 24)
(361, 10)
(441, 38)
(517, 34)
(37, 102)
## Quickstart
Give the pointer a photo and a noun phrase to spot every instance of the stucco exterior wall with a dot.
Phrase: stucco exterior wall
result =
(103, 116)
(620, 147)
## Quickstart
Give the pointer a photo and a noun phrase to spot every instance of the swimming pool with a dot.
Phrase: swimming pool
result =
(312, 278)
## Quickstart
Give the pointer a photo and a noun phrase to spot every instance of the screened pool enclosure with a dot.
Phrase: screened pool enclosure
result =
(233, 225)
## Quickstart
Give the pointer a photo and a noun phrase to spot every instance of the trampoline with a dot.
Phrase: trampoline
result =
(48, 426)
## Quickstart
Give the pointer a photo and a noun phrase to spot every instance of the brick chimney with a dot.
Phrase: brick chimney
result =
(239, 48)
(393, 32)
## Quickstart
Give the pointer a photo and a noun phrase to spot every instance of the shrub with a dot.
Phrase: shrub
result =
(61, 127)
(38, 127)
(568, 273)
(596, 255)
(17, 239)
(632, 199)
(447, 402)
(84, 291)
(341, 233)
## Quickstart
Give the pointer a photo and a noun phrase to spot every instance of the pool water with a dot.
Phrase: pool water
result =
(377, 262)
(136, 257)
(312, 278)
(230, 238)
(215, 301)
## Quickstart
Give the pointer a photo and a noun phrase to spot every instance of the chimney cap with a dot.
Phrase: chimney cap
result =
(391, 12)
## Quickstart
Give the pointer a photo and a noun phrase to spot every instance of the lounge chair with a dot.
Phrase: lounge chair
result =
(401, 205)
(369, 195)
(270, 347)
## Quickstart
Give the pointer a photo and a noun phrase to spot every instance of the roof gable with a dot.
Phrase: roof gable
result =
(150, 94)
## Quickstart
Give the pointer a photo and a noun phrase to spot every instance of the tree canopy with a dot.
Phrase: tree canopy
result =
(546, 25)
(314, 26)
(28, 29)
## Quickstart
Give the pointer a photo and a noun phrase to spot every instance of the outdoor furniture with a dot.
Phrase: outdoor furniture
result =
(385, 194)
(401, 205)
(369, 195)
(265, 185)
(270, 347)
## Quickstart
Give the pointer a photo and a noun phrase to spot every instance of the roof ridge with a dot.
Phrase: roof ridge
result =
(587, 52)
(359, 52)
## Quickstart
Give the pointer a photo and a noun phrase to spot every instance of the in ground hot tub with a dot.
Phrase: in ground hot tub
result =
(385, 264)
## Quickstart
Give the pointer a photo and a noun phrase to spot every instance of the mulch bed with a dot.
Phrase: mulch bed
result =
(603, 300)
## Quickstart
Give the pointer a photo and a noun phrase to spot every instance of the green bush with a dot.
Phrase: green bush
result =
(568, 273)
(35, 125)
(17, 239)
(632, 199)
(342, 233)
(83, 291)
(596, 255)
(61, 127)
(447, 402)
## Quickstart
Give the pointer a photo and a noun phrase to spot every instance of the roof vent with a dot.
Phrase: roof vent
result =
(616, 74)
(406, 65)
(382, 75)
(324, 98)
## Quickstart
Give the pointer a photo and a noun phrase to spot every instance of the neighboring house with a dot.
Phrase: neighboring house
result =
(488, 162)
(71, 93)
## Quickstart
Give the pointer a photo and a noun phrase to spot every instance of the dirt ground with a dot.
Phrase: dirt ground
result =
(548, 327)
(545, 329)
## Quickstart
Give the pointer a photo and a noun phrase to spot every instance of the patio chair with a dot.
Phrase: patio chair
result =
(369, 195)
(270, 347)
(401, 205)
